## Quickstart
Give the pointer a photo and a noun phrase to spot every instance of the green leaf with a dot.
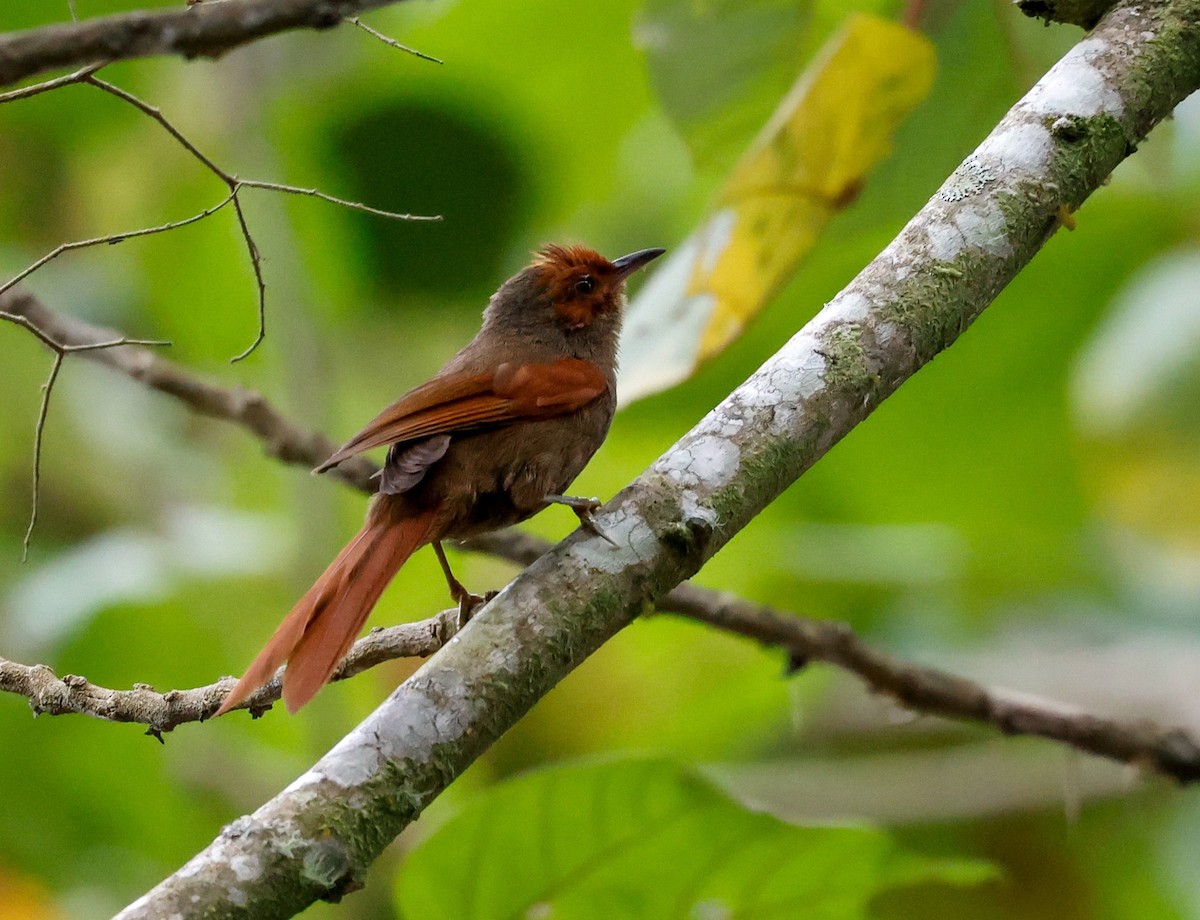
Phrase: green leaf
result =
(647, 838)
(719, 67)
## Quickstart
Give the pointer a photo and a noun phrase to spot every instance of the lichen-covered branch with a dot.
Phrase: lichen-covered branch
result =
(204, 29)
(1053, 149)
(50, 694)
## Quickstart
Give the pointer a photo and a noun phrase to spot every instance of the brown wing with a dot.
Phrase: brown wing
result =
(461, 402)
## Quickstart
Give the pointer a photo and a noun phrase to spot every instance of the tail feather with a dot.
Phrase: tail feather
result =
(315, 636)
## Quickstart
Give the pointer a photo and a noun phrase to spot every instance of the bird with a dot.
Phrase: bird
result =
(498, 434)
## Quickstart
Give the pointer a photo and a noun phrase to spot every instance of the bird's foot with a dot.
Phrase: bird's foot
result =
(468, 603)
(585, 509)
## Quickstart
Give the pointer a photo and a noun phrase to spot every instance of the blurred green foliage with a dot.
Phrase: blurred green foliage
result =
(1019, 511)
(645, 838)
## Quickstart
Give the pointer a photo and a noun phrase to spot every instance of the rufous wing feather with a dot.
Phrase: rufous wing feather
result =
(461, 402)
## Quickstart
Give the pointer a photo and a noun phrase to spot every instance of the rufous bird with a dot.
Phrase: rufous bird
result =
(496, 436)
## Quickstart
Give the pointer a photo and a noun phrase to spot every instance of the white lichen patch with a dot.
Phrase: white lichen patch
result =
(979, 226)
(884, 333)
(796, 373)
(352, 761)
(983, 227)
(971, 177)
(944, 241)
(1076, 86)
(850, 306)
(246, 866)
(629, 530)
(1024, 146)
(705, 460)
(695, 512)
(308, 778)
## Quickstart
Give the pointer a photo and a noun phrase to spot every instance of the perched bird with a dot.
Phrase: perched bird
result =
(495, 437)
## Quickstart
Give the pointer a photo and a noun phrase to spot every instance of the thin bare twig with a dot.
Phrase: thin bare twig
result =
(87, 75)
(315, 193)
(354, 20)
(155, 112)
(39, 430)
(49, 694)
(65, 80)
(259, 281)
(288, 442)
(111, 239)
(60, 352)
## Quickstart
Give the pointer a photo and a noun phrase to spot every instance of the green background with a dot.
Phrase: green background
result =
(1024, 511)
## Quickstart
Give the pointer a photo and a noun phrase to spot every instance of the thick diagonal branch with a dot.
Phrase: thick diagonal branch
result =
(1050, 152)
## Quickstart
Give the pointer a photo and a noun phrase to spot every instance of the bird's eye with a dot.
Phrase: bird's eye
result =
(585, 285)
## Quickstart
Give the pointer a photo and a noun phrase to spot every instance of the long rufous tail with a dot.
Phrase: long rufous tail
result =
(320, 629)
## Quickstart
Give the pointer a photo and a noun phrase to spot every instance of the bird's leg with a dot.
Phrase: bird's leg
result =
(467, 602)
(584, 509)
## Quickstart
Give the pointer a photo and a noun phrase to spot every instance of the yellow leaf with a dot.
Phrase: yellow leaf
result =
(809, 161)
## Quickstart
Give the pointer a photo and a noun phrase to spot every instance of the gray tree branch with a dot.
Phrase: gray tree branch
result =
(197, 30)
(1169, 751)
(1050, 152)
(49, 694)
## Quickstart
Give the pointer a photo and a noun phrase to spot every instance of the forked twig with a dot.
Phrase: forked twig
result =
(354, 20)
(60, 352)
(110, 239)
(87, 75)
(66, 80)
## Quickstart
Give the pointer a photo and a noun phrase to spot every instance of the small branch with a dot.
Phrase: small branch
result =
(39, 429)
(86, 75)
(49, 694)
(354, 20)
(1170, 752)
(281, 439)
(259, 281)
(61, 350)
(154, 112)
(314, 193)
(199, 30)
(929, 691)
(110, 239)
(76, 77)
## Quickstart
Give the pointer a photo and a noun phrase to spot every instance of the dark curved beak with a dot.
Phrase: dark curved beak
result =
(627, 265)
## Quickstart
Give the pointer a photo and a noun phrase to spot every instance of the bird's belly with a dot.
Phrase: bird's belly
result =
(494, 479)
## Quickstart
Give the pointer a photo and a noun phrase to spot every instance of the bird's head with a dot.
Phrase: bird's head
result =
(582, 285)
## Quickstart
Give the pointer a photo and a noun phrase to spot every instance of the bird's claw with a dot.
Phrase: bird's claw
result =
(584, 509)
(588, 520)
(468, 603)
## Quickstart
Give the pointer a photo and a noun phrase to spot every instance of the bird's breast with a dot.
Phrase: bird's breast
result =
(499, 477)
